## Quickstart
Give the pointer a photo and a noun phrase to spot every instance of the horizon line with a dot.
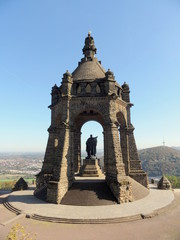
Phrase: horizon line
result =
(100, 149)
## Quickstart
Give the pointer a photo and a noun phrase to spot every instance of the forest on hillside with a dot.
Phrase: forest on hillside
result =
(160, 160)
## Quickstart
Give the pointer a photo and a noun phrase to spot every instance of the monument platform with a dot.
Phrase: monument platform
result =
(24, 202)
(90, 168)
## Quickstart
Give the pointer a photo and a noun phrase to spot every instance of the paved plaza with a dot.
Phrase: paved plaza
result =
(28, 204)
(165, 225)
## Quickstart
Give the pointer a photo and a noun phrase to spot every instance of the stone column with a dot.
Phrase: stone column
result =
(135, 171)
(115, 172)
(46, 173)
(63, 173)
(115, 161)
(104, 147)
(124, 148)
(77, 150)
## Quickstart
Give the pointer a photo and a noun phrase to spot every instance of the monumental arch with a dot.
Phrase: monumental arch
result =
(90, 93)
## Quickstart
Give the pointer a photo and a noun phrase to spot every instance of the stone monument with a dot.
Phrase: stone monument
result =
(164, 183)
(90, 167)
(90, 93)
(20, 185)
(91, 144)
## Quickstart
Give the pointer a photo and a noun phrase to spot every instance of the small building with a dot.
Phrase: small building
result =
(20, 185)
(164, 183)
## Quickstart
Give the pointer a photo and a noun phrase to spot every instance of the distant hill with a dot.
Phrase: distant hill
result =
(160, 160)
(177, 148)
(155, 161)
(20, 163)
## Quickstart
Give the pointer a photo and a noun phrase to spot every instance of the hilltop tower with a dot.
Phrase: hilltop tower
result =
(90, 93)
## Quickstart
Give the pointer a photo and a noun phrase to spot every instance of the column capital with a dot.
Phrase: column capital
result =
(130, 129)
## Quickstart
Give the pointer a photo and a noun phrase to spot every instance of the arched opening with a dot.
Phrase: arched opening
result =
(78, 89)
(82, 118)
(96, 130)
(88, 190)
(88, 88)
(98, 89)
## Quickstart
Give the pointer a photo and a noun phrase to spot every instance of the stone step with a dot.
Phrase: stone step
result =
(86, 221)
(90, 175)
(11, 208)
(90, 171)
(90, 168)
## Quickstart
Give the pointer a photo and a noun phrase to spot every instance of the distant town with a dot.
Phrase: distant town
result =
(21, 163)
(25, 163)
(154, 161)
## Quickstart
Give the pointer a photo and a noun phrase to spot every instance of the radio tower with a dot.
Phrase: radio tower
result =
(163, 142)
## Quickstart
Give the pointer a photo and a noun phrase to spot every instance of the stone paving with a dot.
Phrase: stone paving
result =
(165, 226)
(157, 199)
(89, 193)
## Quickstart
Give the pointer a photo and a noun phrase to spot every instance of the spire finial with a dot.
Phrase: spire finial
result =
(89, 49)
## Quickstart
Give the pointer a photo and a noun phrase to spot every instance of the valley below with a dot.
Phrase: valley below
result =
(155, 161)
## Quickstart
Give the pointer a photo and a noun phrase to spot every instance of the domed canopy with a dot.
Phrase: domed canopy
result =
(89, 68)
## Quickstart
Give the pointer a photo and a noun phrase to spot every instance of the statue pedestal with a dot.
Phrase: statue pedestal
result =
(90, 168)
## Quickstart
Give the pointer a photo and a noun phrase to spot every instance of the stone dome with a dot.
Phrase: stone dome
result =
(88, 70)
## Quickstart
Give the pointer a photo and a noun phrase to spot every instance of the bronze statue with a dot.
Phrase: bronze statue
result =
(91, 144)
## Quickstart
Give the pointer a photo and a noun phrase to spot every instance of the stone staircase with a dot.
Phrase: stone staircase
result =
(90, 168)
(11, 208)
(86, 221)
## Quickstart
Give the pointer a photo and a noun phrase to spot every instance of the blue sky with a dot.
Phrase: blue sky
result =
(138, 40)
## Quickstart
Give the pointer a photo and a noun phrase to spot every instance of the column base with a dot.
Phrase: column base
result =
(140, 176)
(56, 190)
(121, 188)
